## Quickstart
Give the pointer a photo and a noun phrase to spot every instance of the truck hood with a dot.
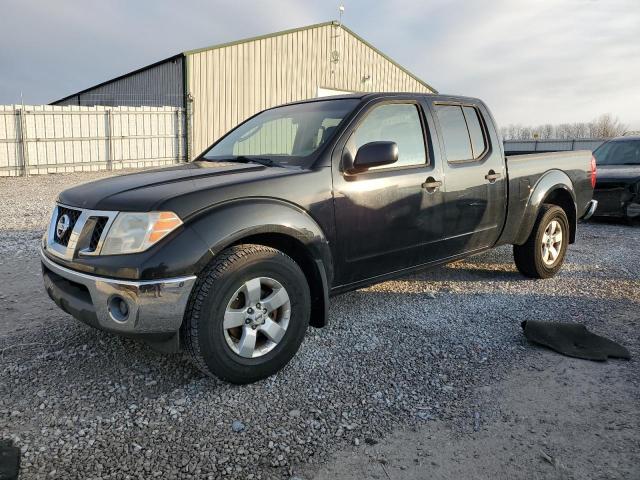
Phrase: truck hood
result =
(615, 173)
(155, 189)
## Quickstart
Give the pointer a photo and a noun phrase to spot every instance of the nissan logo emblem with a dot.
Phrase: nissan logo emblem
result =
(64, 222)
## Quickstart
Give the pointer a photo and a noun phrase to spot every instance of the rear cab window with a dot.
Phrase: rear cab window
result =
(618, 152)
(462, 131)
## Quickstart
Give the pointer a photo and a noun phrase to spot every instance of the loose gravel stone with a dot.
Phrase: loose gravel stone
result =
(237, 426)
(81, 403)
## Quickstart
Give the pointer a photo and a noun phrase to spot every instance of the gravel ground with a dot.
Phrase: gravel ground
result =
(85, 404)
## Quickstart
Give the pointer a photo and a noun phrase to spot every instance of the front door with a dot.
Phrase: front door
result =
(475, 198)
(386, 215)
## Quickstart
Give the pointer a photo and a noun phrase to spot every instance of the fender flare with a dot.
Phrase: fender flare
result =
(546, 185)
(230, 222)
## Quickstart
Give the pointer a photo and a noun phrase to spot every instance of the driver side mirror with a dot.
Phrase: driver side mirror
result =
(374, 154)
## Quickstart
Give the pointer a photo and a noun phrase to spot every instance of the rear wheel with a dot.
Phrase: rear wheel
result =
(248, 314)
(542, 255)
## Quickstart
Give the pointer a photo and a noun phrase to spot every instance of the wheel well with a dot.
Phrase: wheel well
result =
(563, 199)
(300, 254)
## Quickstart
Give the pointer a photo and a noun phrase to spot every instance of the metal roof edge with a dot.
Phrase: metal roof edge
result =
(386, 57)
(259, 37)
(119, 77)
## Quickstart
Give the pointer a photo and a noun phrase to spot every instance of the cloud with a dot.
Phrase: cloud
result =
(51, 49)
(531, 61)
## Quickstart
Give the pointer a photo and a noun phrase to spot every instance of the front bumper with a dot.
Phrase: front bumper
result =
(152, 307)
(618, 199)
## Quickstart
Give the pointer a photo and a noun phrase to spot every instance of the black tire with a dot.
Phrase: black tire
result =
(528, 256)
(202, 331)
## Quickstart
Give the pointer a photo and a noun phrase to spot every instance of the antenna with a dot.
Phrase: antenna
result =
(334, 57)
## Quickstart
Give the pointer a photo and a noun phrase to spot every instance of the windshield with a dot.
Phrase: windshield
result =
(284, 134)
(621, 152)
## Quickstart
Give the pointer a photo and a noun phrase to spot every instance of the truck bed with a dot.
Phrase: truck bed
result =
(524, 173)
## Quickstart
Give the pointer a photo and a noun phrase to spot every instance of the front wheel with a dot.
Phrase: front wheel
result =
(542, 255)
(248, 314)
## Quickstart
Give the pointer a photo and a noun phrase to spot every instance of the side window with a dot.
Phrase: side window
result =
(454, 133)
(395, 122)
(476, 134)
(461, 132)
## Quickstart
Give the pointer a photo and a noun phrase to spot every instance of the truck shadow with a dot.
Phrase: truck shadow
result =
(463, 271)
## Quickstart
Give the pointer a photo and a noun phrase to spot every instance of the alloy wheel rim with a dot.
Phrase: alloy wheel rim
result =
(257, 317)
(551, 243)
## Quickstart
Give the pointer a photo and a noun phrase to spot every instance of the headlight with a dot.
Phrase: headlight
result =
(135, 232)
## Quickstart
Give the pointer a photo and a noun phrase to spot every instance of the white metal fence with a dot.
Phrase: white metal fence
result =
(40, 139)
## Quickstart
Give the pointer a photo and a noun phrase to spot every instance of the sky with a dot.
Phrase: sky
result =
(531, 61)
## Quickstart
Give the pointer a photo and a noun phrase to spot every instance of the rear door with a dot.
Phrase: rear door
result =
(385, 216)
(474, 176)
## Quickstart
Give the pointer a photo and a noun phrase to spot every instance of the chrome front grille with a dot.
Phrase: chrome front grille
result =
(72, 215)
(96, 235)
(75, 231)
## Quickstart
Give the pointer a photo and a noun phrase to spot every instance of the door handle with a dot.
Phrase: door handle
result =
(492, 176)
(431, 185)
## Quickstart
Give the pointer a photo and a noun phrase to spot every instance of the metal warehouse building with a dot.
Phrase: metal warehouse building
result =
(221, 85)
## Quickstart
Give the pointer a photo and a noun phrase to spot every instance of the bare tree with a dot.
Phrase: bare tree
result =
(504, 133)
(546, 131)
(516, 132)
(563, 131)
(605, 126)
(511, 132)
(580, 130)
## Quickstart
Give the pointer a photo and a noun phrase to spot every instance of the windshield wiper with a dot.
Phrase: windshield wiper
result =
(267, 162)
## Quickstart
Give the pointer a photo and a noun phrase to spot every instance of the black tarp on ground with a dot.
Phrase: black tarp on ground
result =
(9, 460)
(573, 340)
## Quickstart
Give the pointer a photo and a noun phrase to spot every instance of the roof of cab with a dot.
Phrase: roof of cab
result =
(374, 95)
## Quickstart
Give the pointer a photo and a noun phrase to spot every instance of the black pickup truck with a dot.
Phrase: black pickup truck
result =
(230, 257)
(618, 187)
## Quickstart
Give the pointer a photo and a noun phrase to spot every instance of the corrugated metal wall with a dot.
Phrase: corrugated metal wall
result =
(230, 83)
(159, 85)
